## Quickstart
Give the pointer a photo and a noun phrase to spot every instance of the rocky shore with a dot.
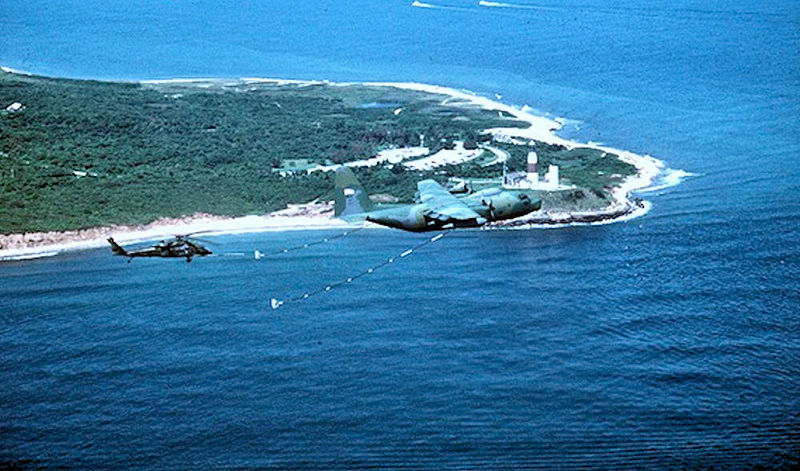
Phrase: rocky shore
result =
(614, 213)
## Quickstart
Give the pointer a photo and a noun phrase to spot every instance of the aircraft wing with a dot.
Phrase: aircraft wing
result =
(443, 205)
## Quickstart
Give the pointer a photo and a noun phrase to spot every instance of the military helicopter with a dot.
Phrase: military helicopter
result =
(178, 247)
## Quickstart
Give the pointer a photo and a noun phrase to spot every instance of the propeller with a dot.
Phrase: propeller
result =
(491, 207)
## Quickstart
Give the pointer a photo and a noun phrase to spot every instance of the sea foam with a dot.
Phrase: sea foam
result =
(422, 5)
(666, 179)
(484, 3)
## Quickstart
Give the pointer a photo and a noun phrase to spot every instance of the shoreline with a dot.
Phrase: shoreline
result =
(314, 215)
(554, 219)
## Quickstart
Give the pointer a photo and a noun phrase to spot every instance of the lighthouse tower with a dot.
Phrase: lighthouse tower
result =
(533, 170)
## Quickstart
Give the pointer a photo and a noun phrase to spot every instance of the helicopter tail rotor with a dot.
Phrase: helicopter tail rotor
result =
(116, 249)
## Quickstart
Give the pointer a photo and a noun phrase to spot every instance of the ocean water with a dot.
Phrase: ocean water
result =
(670, 340)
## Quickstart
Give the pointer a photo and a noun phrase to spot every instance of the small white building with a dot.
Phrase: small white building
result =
(14, 107)
(551, 177)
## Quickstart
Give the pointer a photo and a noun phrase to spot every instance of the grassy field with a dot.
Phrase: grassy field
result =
(86, 153)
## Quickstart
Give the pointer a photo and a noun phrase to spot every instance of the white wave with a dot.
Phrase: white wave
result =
(484, 3)
(568, 122)
(29, 256)
(418, 4)
(666, 179)
(9, 70)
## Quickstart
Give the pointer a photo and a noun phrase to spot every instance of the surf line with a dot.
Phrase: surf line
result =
(275, 303)
(258, 255)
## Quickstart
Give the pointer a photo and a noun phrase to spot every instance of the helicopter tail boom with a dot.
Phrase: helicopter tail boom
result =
(115, 247)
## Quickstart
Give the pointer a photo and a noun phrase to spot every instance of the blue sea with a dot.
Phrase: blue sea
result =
(668, 341)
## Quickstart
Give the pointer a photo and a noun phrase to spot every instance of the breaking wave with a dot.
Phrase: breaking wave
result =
(668, 178)
(28, 256)
(418, 4)
(484, 3)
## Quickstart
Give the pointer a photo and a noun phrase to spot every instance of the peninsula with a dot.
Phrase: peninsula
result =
(80, 160)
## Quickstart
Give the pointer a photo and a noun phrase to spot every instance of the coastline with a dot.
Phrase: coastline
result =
(316, 215)
(543, 129)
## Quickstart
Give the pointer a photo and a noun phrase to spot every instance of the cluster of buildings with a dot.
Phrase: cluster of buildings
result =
(529, 179)
(523, 180)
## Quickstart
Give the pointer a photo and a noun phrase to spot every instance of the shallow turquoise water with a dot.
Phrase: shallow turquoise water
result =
(669, 340)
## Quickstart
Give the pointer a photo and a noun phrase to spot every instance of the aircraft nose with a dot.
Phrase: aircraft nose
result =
(383, 219)
(375, 219)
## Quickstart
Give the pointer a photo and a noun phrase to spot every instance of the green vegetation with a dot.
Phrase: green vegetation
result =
(86, 153)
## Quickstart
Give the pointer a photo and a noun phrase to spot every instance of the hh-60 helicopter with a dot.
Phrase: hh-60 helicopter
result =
(178, 247)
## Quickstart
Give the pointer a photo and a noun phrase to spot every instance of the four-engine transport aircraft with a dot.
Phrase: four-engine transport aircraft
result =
(436, 208)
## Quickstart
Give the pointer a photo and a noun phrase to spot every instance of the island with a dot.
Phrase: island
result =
(81, 160)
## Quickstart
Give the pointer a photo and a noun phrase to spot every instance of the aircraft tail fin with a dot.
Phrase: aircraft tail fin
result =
(349, 196)
(115, 247)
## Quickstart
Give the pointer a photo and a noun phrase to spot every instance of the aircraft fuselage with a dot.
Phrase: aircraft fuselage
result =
(493, 204)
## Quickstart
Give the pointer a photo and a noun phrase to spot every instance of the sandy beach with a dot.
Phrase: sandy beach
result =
(318, 215)
(309, 216)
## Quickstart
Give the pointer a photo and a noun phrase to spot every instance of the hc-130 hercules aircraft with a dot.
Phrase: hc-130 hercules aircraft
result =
(436, 208)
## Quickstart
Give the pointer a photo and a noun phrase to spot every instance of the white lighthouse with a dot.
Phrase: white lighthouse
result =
(533, 170)
(529, 179)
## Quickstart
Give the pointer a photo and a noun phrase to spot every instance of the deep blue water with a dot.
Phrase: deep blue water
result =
(672, 340)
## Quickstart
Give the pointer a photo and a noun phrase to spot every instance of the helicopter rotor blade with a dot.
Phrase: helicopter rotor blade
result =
(205, 241)
(191, 234)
